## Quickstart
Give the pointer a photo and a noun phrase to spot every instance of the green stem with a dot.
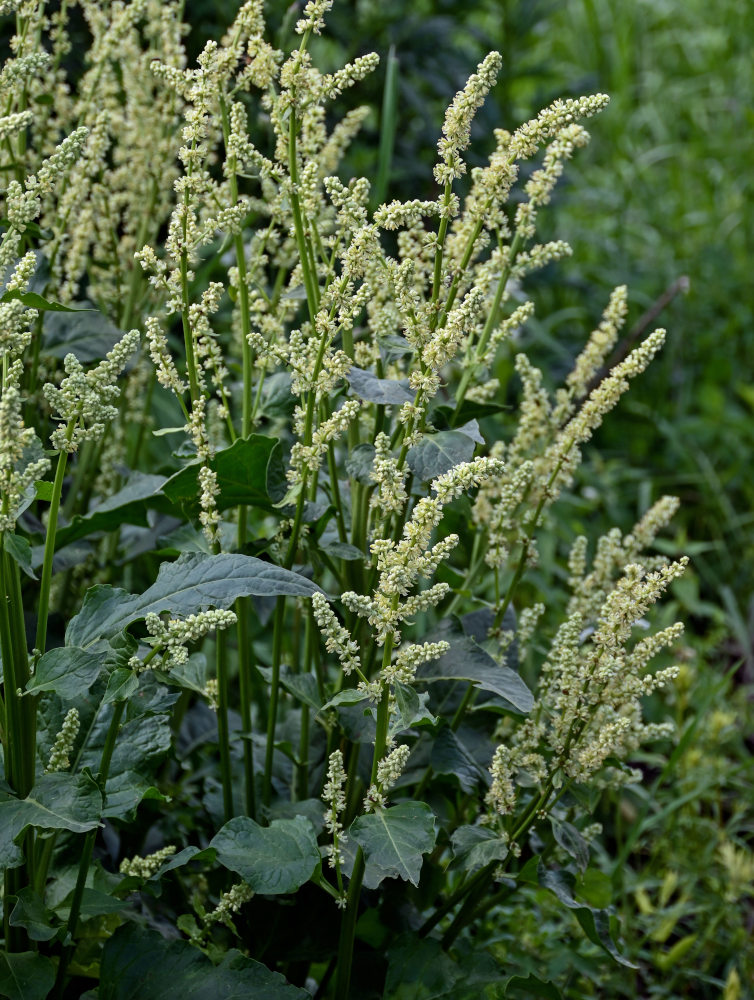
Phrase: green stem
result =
(86, 854)
(223, 737)
(49, 553)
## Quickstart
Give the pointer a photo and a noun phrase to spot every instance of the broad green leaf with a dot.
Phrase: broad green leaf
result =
(43, 489)
(121, 684)
(477, 625)
(304, 687)
(475, 846)
(19, 550)
(451, 756)
(342, 550)
(194, 581)
(360, 462)
(525, 987)
(436, 454)
(58, 801)
(33, 300)
(471, 430)
(67, 670)
(25, 975)
(393, 841)
(273, 859)
(311, 809)
(241, 476)
(367, 386)
(445, 416)
(88, 334)
(138, 964)
(411, 709)
(127, 506)
(30, 912)
(598, 925)
(419, 969)
(571, 841)
(466, 660)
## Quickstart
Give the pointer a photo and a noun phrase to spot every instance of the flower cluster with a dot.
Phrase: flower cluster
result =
(84, 400)
(171, 638)
(62, 748)
(147, 866)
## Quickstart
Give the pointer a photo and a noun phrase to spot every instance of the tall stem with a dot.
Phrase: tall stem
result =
(86, 854)
(49, 553)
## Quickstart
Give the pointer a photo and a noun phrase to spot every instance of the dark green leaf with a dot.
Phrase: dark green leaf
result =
(393, 841)
(437, 453)
(466, 660)
(411, 709)
(598, 925)
(475, 846)
(367, 386)
(360, 462)
(571, 841)
(275, 859)
(531, 986)
(127, 506)
(33, 300)
(121, 684)
(67, 670)
(88, 334)
(31, 913)
(25, 975)
(137, 964)
(19, 550)
(451, 756)
(241, 476)
(341, 550)
(194, 581)
(58, 801)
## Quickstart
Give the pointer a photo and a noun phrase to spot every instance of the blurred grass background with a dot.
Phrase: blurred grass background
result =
(661, 201)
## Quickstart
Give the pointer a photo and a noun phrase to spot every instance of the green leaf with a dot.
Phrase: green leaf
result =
(86, 333)
(451, 756)
(31, 913)
(367, 386)
(598, 925)
(33, 300)
(121, 684)
(19, 550)
(360, 462)
(25, 975)
(411, 709)
(304, 687)
(43, 489)
(67, 670)
(466, 660)
(419, 970)
(571, 841)
(342, 550)
(531, 986)
(272, 859)
(393, 841)
(137, 964)
(127, 506)
(58, 801)
(194, 581)
(437, 453)
(241, 471)
(475, 846)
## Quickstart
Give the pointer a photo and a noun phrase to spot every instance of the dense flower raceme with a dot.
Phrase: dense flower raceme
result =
(335, 378)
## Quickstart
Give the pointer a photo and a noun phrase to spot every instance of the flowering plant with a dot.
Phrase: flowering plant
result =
(327, 656)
